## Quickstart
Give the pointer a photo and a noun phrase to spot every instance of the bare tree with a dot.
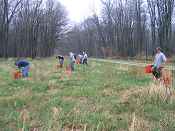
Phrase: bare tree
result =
(28, 28)
(164, 20)
(124, 28)
(8, 10)
(152, 14)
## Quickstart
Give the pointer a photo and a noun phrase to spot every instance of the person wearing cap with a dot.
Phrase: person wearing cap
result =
(23, 65)
(159, 60)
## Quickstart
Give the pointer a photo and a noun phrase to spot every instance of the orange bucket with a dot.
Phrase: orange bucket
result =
(17, 75)
(148, 69)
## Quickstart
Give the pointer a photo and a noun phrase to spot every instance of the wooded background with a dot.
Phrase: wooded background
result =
(126, 28)
(30, 27)
(37, 28)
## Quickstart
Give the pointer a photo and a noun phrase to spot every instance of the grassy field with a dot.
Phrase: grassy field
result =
(98, 97)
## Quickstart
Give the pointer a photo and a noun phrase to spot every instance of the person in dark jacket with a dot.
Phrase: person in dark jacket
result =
(61, 60)
(23, 65)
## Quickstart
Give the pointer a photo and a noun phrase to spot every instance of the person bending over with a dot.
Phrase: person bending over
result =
(23, 65)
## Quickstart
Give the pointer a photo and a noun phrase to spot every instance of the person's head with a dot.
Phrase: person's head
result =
(71, 54)
(158, 50)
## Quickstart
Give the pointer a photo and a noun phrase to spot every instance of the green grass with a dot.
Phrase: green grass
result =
(99, 97)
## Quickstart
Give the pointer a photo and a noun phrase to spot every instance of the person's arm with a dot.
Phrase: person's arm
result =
(164, 58)
(154, 63)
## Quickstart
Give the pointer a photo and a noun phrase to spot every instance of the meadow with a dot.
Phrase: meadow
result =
(99, 97)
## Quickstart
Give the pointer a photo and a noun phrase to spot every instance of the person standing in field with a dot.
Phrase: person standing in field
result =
(23, 65)
(81, 58)
(61, 60)
(72, 60)
(85, 57)
(159, 60)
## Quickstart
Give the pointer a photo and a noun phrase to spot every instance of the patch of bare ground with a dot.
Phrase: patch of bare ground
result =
(107, 92)
(152, 89)
(20, 95)
(81, 100)
(139, 124)
(28, 92)
(160, 90)
(75, 127)
(126, 94)
(35, 125)
(53, 91)
(136, 71)
(6, 68)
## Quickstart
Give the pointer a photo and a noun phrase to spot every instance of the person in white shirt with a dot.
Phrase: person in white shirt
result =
(81, 58)
(85, 58)
(159, 60)
(72, 61)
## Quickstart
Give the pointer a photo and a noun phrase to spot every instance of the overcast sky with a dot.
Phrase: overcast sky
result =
(80, 9)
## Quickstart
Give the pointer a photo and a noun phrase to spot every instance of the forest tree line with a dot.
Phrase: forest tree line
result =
(125, 28)
(30, 28)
